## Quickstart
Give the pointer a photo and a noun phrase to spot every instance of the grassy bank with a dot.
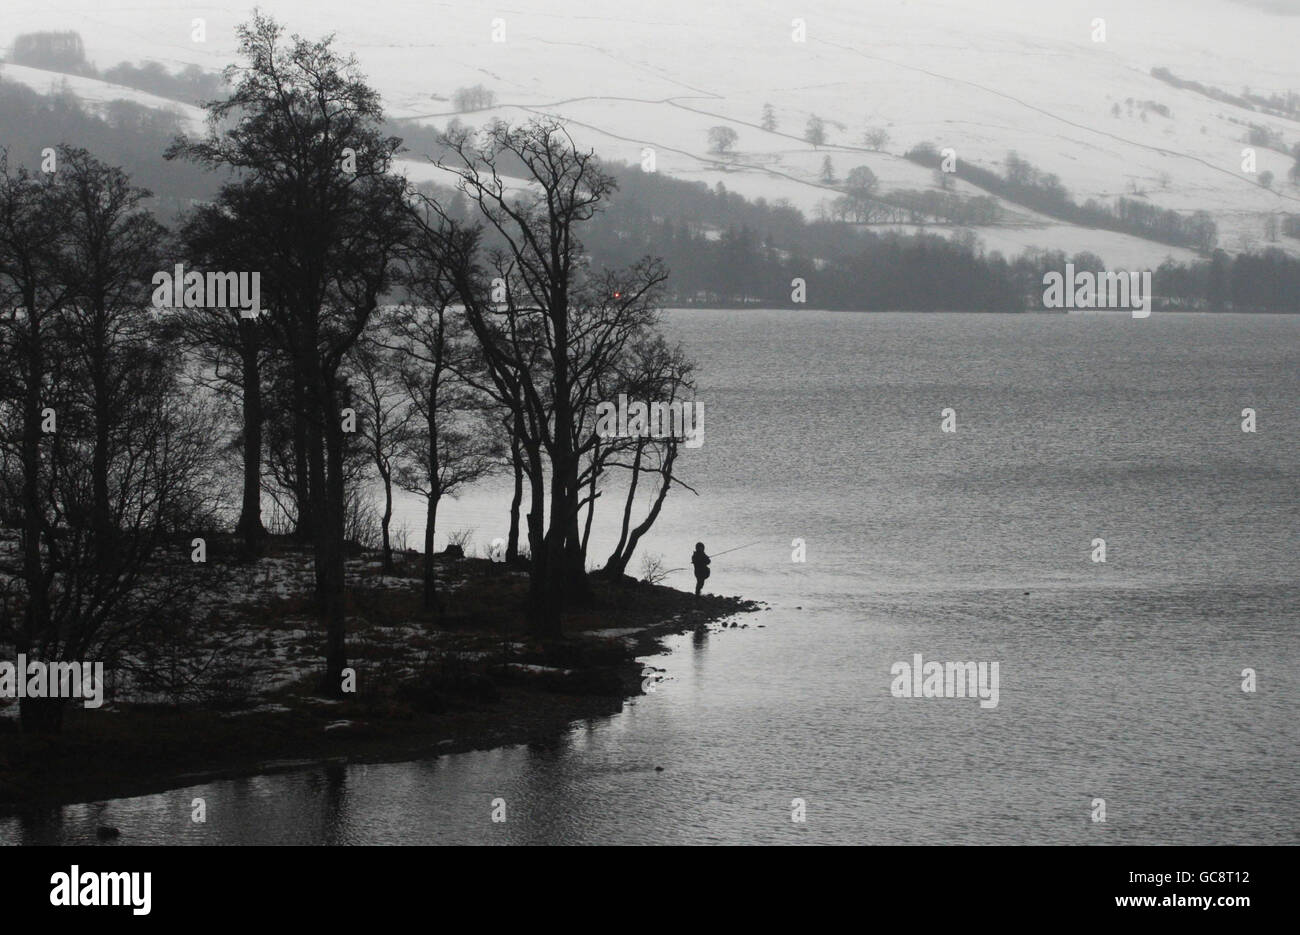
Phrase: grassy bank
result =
(425, 684)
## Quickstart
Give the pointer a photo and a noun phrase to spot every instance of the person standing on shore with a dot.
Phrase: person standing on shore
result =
(701, 563)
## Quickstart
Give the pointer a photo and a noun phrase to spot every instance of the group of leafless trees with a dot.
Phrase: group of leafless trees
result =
(410, 339)
(476, 97)
(103, 456)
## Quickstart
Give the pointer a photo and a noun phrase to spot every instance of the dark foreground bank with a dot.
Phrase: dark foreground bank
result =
(427, 684)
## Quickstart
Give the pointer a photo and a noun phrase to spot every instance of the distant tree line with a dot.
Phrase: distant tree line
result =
(725, 250)
(1025, 185)
(476, 97)
(55, 51)
(123, 134)
(720, 246)
(1279, 104)
(66, 52)
(190, 85)
(1265, 281)
(909, 206)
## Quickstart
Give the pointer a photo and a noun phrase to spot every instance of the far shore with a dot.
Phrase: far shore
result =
(472, 680)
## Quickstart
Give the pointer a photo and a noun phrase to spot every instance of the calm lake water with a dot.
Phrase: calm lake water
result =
(1119, 681)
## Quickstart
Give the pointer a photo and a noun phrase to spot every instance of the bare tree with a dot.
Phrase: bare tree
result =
(876, 138)
(651, 370)
(117, 461)
(473, 98)
(385, 423)
(551, 328)
(30, 302)
(307, 141)
(452, 441)
(113, 249)
(234, 348)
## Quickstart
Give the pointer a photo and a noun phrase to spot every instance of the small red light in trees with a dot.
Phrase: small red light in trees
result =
(618, 295)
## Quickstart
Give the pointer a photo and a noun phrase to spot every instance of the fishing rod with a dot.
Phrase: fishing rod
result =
(738, 548)
(716, 554)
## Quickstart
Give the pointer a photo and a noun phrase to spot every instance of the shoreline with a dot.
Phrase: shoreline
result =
(129, 749)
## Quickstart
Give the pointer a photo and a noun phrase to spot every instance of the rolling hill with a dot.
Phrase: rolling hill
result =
(982, 78)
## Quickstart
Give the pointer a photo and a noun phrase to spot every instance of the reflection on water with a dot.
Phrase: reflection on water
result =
(1118, 681)
(1162, 733)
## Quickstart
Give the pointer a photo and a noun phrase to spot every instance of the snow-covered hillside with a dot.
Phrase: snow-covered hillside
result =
(94, 94)
(982, 77)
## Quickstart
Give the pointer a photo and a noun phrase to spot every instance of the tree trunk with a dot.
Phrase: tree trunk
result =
(553, 549)
(387, 521)
(616, 564)
(331, 557)
(325, 465)
(577, 587)
(591, 502)
(431, 601)
(303, 528)
(512, 541)
(635, 536)
(250, 527)
(543, 613)
(561, 534)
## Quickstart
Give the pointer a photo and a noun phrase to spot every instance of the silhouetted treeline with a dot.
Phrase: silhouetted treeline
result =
(106, 453)
(358, 330)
